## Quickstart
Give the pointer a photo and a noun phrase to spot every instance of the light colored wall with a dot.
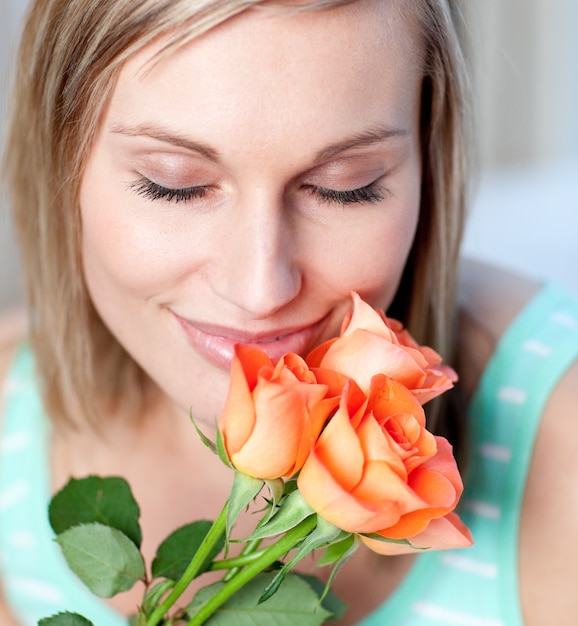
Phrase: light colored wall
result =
(10, 288)
(526, 74)
(525, 214)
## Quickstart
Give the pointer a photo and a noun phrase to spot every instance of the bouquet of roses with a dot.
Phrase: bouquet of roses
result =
(335, 449)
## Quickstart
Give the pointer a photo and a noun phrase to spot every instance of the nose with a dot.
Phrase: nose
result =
(254, 265)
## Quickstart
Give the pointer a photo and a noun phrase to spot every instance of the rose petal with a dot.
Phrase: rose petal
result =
(438, 483)
(376, 445)
(388, 397)
(361, 355)
(338, 446)
(444, 533)
(333, 503)
(272, 448)
(366, 317)
(238, 417)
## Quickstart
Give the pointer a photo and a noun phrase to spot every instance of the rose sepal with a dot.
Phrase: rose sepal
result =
(204, 439)
(245, 489)
(337, 549)
(323, 534)
(222, 450)
(276, 488)
(153, 597)
(292, 511)
(337, 554)
(382, 539)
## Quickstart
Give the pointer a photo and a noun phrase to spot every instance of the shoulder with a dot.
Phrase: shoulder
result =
(490, 298)
(12, 332)
(5, 617)
(494, 295)
(548, 552)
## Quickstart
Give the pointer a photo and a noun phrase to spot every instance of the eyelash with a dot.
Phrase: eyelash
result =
(153, 191)
(370, 194)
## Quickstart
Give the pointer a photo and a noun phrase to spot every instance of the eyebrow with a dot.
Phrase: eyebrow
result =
(370, 137)
(374, 135)
(167, 136)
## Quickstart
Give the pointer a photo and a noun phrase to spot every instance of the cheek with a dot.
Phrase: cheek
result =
(377, 263)
(388, 244)
(367, 253)
(127, 247)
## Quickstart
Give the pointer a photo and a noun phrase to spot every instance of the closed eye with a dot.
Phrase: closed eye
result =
(153, 191)
(369, 194)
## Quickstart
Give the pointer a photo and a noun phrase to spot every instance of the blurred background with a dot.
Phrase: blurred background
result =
(525, 209)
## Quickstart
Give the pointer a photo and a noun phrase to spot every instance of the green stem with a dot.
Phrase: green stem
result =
(268, 556)
(235, 563)
(249, 549)
(215, 533)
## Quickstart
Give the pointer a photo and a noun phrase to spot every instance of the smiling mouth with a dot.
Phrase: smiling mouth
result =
(217, 344)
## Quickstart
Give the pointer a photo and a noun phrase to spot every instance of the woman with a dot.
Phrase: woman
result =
(189, 175)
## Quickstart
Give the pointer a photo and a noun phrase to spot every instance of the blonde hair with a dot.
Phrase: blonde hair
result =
(70, 56)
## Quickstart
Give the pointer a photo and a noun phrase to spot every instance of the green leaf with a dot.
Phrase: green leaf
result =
(105, 559)
(65, 619)
(176, 551)
(107, 501)
(245, 488)
(293, 511)
(295, 603)
(336, 550)
(329, 601)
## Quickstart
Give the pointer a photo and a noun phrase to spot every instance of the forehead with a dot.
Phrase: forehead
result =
(354, 23)
(285, 68)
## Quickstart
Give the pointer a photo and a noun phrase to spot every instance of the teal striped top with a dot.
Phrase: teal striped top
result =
(473, 587)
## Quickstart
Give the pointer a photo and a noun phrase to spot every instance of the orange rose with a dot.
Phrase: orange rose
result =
(370, 343)
(376, 469)
(273, 413)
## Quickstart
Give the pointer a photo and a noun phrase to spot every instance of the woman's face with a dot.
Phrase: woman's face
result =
(243, 186)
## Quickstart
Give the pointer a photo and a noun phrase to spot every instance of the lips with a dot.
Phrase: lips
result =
(216, 343)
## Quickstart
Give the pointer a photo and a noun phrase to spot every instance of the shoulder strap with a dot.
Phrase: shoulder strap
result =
(533, 355)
